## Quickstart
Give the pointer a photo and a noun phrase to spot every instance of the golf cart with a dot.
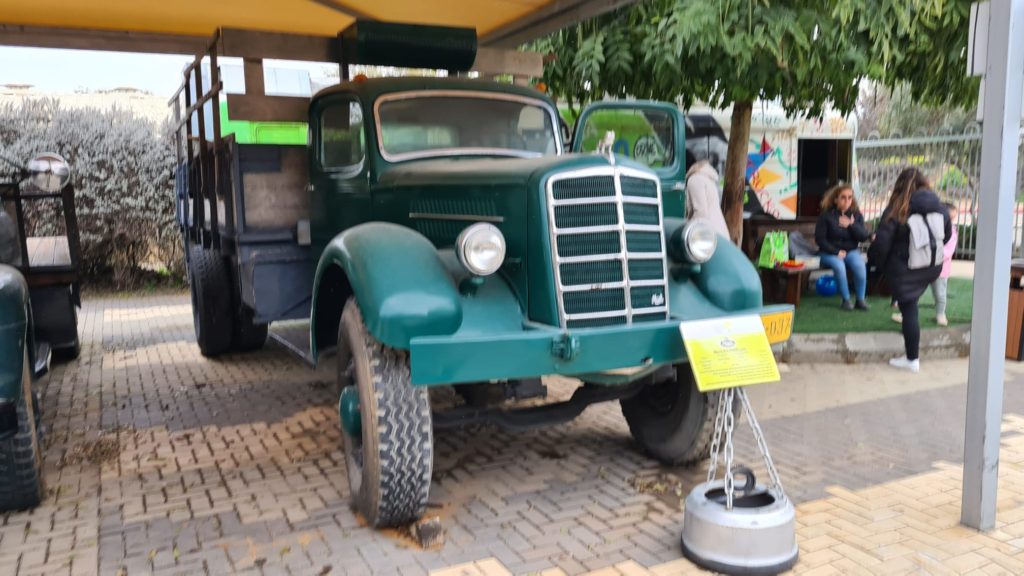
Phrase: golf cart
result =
(29, 290)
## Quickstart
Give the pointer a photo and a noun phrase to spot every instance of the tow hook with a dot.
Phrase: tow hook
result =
(565, 346)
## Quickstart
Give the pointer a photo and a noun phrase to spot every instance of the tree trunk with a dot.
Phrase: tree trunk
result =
(736, 169)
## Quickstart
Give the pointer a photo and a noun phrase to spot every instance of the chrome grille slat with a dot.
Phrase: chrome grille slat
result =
(593, 258)
(581, 197)
(606, 200)
(592, 315)
(639, 311)
(610, 228)
(595, 286)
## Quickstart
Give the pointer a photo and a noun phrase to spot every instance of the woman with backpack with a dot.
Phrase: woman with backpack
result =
(908, 248)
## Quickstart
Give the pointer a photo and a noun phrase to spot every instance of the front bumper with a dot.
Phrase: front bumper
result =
(543, 350)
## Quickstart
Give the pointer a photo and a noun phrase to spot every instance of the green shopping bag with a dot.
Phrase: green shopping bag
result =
(774, 249)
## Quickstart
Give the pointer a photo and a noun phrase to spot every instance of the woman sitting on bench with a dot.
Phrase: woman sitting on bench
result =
(839, 232)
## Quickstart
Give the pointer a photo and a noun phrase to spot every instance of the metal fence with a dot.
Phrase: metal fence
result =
(952, 163)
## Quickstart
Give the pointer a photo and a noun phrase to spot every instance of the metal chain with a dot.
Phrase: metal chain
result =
(729, 425)
(716, 440)
(762, 445)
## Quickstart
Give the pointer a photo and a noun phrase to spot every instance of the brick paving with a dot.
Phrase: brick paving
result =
(158, 461)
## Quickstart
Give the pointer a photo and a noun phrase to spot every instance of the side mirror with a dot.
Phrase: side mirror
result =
(49, 172)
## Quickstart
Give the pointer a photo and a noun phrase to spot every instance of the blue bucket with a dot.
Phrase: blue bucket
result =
(826, 286)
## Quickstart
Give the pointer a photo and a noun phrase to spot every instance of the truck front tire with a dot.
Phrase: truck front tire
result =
(672, 420)
(389, 464)
(210, 285)
(20, 462)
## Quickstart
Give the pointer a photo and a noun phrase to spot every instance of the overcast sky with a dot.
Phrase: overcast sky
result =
(70, 70)
(51, 70)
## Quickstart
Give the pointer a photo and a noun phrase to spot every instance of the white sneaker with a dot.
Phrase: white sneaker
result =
(941, 320)
(903, 364)
(897, 318)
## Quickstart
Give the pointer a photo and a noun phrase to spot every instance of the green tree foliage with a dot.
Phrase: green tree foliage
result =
(806, 54)
(893, 113)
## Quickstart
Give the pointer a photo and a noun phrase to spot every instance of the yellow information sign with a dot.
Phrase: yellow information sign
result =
(729, 352)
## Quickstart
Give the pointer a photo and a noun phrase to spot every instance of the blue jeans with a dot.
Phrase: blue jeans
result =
(858, 270)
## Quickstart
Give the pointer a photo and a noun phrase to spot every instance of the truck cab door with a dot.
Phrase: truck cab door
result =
(652, 133)
(338, 168)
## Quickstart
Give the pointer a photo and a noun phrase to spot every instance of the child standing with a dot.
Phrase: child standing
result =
(939, 286)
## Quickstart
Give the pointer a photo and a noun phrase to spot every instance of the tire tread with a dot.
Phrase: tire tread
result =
(404, 435)
(20, 474)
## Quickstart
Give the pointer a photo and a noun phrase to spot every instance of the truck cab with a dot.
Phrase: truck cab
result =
(438, 232)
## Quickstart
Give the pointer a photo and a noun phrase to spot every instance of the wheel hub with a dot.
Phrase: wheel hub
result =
(348, 413)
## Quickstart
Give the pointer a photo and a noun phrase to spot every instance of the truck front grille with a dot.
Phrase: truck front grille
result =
(608, 246)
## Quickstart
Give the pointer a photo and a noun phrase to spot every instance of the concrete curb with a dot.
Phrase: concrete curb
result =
(856, 347)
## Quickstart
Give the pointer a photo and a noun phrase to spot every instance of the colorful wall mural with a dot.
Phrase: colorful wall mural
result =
(773, 151)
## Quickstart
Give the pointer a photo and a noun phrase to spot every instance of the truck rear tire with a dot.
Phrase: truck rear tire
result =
(673, 421)
(249, 336)
(21, 484)
(210, 285)
(389, 464)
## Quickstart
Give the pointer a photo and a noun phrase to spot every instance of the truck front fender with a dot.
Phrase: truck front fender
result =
(729, 280)
(398, 280)
(13, 331)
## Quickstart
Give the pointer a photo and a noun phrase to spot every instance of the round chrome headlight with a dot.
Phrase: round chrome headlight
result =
(699, 241)
(481, 249)
(49, 172)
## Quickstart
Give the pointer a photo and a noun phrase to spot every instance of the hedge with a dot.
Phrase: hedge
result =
(121, 168)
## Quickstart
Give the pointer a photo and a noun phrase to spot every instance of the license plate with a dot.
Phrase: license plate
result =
(778, 326)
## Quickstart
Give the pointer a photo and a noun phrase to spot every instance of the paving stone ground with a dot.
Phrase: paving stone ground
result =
(158, 461)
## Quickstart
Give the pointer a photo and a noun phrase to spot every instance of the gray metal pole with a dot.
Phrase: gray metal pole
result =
(1004, 77)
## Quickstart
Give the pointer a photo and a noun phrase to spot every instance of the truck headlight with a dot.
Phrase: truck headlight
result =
(693, 242)
(481, 248)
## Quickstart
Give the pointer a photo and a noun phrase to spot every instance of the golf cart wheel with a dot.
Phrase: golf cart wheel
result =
(386, 426)
(21, 484)
(249, 335)
(672, 420)
(210, 285)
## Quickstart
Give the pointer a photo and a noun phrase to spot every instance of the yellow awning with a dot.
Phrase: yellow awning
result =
(202, 17)
(515, 20)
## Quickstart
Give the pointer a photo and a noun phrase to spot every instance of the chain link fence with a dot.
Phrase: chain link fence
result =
(952, 162)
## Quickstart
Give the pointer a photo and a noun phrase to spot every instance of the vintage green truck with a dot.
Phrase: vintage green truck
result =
(438, 231)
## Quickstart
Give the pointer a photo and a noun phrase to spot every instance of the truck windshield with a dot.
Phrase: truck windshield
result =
(420, 125)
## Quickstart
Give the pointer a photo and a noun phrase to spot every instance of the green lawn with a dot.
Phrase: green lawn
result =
(823, 315)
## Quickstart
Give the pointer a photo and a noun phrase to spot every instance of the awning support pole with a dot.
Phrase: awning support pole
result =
(1004, 76)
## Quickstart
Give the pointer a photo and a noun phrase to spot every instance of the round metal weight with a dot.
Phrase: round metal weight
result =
(758, 536)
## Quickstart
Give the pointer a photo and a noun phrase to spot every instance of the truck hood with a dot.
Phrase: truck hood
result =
(466, 171)
(440, 198)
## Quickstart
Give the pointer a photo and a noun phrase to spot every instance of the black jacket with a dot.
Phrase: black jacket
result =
(831, 237)
(891, 249)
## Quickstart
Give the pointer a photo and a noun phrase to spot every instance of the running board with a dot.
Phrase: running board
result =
(294, 336)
